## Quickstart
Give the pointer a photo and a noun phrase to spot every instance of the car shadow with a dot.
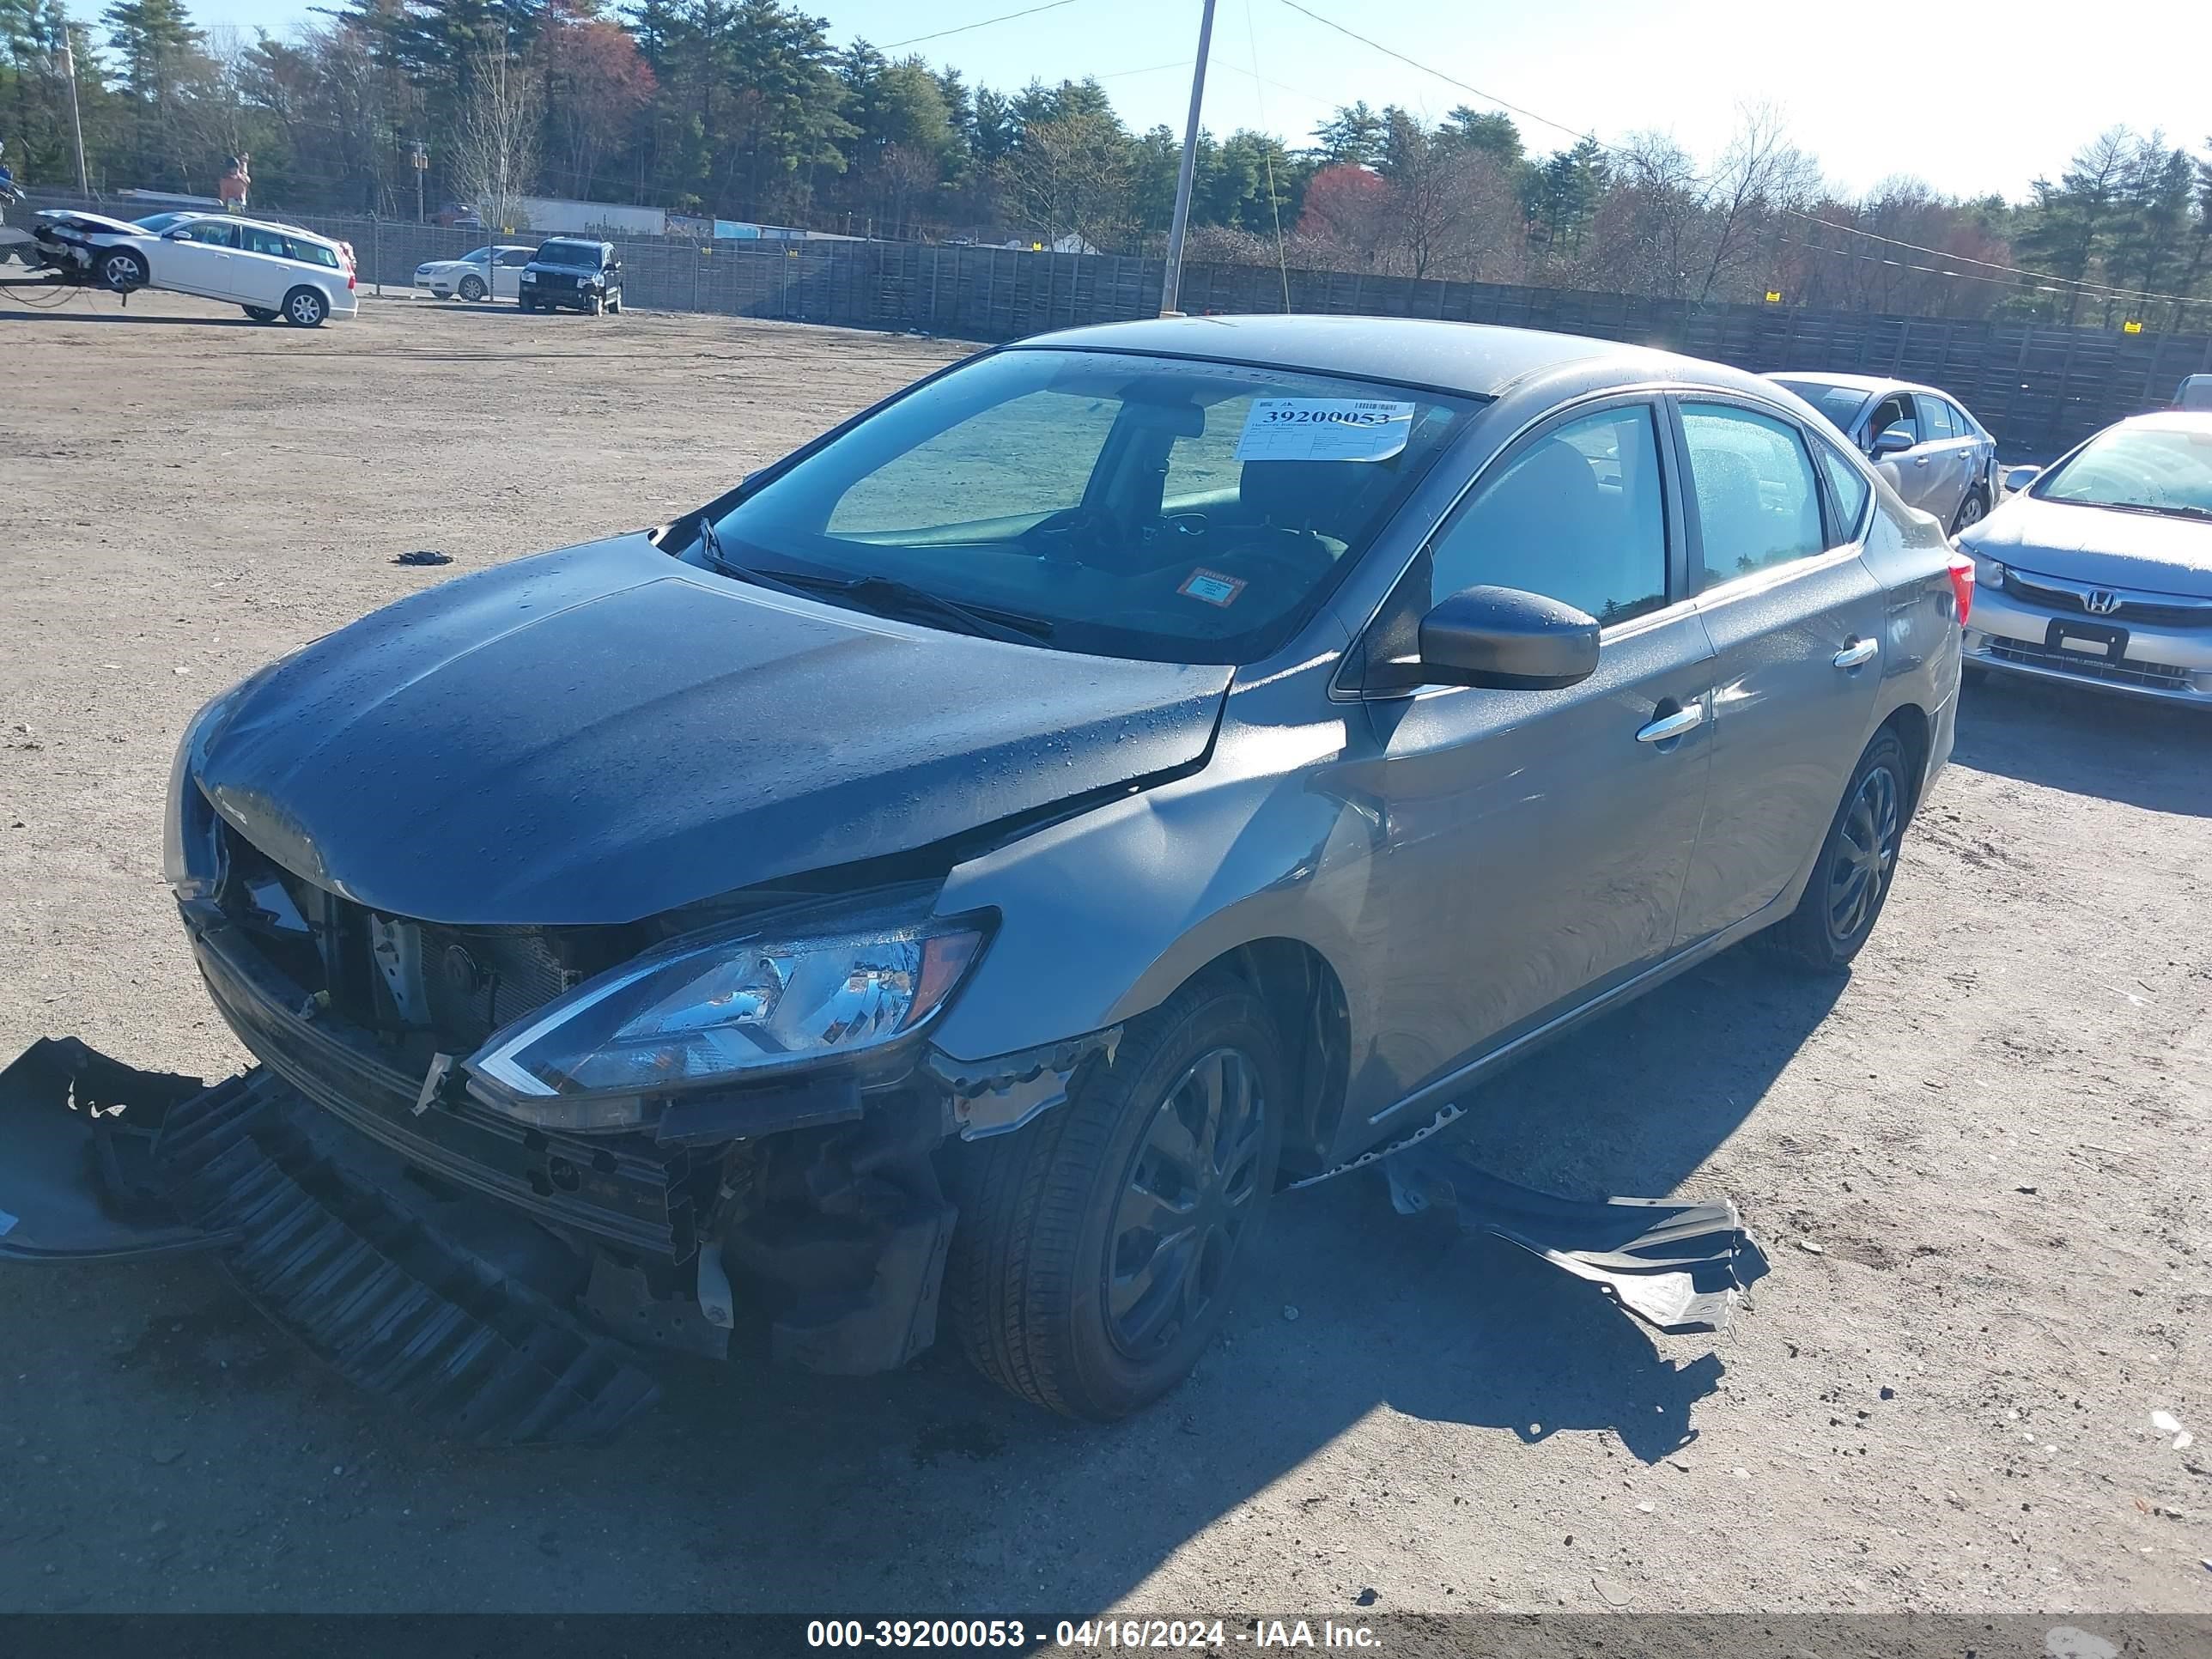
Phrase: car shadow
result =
(48, 314)
(931, 1482)
(2147, 754)
(756, 1490)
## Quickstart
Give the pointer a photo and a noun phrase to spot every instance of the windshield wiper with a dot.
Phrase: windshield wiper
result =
(882, 594)
(887, 595)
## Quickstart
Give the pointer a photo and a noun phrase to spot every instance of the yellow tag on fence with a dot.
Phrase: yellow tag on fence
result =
(1774, 297)
(2131, 326)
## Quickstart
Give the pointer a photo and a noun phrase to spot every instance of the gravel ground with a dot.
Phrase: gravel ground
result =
(1981, 1165)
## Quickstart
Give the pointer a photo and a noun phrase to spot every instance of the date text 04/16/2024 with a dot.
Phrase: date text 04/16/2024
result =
(1017, 1635)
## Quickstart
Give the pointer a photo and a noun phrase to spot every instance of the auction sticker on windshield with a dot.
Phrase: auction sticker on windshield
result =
(1325, 429)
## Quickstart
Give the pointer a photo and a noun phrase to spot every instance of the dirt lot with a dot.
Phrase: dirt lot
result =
(1998, 1133)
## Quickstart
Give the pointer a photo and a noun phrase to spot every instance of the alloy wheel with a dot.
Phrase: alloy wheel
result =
(1186, 1202)
(1970, 512)
(1866, 850)
(305, 310)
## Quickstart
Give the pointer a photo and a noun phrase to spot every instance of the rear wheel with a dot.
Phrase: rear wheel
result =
(1098, 1248)
(306, 308)
(1851, 878)
(1971, 511)
(472, 289)
(122, 269)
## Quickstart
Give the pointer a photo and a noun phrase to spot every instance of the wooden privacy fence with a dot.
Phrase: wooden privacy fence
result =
(2041, 389)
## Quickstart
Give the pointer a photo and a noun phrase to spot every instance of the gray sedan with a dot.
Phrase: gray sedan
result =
(1006, 842)
(1938, 457)
(2098, 571)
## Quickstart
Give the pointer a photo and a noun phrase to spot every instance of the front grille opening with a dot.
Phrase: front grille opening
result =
(2128, 670)
(421, 985)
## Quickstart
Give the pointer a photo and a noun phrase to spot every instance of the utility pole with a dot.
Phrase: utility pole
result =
(1169, 290)
(76, 122)
(422, 170)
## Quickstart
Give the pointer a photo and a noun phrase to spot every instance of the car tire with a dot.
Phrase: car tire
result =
(596, 305)
(259, 313)
(471, 289)
(121, 270)
(614, 303)
(1060, 1220)
(1971, 511)
(306, 308)
(1857, 862)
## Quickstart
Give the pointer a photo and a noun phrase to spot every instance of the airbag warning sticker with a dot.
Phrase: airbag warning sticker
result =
(1324, 430)
(1212, 587)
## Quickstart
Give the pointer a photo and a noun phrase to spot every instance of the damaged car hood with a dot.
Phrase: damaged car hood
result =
(600, 735)
(2155, 552)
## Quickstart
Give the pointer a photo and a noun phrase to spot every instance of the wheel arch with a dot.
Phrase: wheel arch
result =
(1915, 732)
(1306, 1001)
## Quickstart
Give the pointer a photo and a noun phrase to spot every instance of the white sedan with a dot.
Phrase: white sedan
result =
(269, 272)
(488, 273)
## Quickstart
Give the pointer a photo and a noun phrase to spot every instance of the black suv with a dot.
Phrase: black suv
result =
(570, 274)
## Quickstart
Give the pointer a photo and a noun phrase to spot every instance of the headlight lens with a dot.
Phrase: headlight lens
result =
(529, 276)
(734, 1005)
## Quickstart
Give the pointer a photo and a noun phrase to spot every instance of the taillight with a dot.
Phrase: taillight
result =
(1962, 586)
(1970, 569)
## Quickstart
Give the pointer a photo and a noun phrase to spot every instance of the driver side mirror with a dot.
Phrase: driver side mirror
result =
(1508, 640)
(182, 233)
(1893, 440)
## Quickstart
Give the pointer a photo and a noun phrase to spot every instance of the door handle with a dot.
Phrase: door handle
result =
(1858, 655)
(1670, 727)
(1924, 460)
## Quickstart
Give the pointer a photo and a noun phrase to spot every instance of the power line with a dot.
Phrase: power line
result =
(1415, 62)
(983, 23)
(2094, 289)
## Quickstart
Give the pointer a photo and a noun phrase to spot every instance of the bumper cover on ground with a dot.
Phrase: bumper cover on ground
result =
(466, 1350)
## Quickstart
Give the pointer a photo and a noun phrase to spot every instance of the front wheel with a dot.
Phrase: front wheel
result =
(596, 305)
(306, 308)
(614, 302)
(122, 269)
(471, 289)
(1851, 876)
(259, 313)
(1098, 1248)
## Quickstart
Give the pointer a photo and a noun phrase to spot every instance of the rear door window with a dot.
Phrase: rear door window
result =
(1848, 492)
(1758, 505)
(1936, 424)
(254, 239)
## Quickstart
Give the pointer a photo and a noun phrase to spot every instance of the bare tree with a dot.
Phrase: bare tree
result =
(494, 145)
(1761, 172)
(1071, 174)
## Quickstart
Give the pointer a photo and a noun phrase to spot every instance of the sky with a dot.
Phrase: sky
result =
(1974, 96)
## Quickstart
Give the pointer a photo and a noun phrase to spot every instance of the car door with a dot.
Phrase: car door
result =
(1794, 618)
(1944, 455)
(507, 272)
(1533, 844)
(196, 258)
(262, 271)
(1899, 409)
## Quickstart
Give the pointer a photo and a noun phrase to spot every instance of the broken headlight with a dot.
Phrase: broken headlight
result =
(729, 1006)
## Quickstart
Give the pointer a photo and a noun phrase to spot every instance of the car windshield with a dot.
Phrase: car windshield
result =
(586, 254)
(1154, 508)
(2139, 468)
(475, 255)
(160, 222)
(1838, 403)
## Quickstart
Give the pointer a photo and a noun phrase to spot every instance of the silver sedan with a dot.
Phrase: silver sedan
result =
(2098, 571)
(1938, 457)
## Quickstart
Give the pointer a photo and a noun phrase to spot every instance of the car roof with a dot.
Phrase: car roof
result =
(1869, 384)
(1471, 359)
(2170, 420)
(273, 224)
